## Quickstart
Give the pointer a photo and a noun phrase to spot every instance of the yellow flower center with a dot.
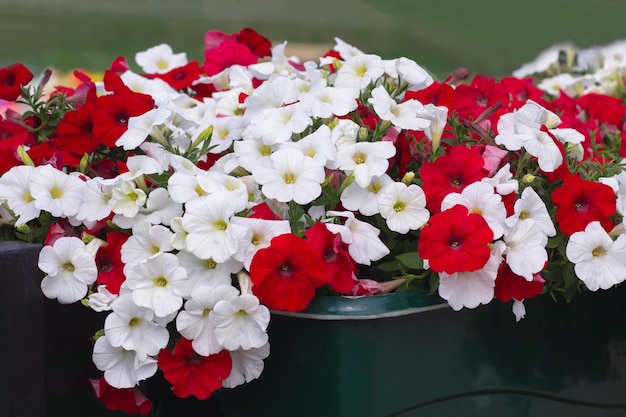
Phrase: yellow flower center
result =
(359, 158)
(160, 281)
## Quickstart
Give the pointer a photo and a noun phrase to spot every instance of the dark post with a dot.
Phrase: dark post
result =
(22, 362)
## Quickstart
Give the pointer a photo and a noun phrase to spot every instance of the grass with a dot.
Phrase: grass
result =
(492, 36)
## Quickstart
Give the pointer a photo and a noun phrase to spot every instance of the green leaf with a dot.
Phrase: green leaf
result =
(390, 266)
(411, 260)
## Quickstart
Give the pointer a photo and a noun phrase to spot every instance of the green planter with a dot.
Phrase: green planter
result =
(372, 357)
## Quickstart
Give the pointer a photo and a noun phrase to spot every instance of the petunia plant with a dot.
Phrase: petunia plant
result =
(185, 201)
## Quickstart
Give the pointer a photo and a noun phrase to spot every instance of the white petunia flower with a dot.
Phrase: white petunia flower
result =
(146, 242)
(359, 71)
(102, 299)
(140, 127)
(240, 322)
(525, 248)
(160, 59)
(132, 328)
(599, 261)
(293, 177)
(355, 197)
(365, 160)
(407, 115)
(531, 207)
(330, 101)
(122, 368)
(480, 198)
(126, 199)
(193, 322)
(364, 245)
(159, 284)
(15, 190)
(210, 233)
(70, 267)
(206, 273)
(56, 192)
(247, 365)
(277, 125)
(403, 207)
(261, 233)
(471, 289)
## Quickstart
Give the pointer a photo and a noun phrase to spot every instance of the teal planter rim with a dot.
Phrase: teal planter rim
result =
(368, 308)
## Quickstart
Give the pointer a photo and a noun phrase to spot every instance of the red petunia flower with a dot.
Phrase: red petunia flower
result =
(109, 262)
(483, 92)
(111, 114)
(181, 77)
(510, 286)
(128, 400)
(228, 53)
(193, 374)
(286, 274)
(450, 173)
(12, 78)
(12, 135)
(439, 94)
(521, 90)
(75, 131)
(604, 108)
(340, 267)
(258, 44)
(455, 241)
(580, 202)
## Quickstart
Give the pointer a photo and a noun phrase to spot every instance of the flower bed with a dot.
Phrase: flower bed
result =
(185, 201)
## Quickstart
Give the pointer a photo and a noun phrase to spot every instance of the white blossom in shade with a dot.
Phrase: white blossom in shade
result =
(102, 299)
(56, 192)
(160, 59)
(122, 368)
(261, 233)
(15, 190)
(525, 248)
(132, 328)
(403, 207)
(70, 267)
(159, 284)
(317, 145)
(544, 60)
(599, 261)
(184, 186)
(561, 82)
(293, 177)
(480, 198)
(345, 49)
(344, 133)
(225, 131)
(193, 322)
(274, 126)
(359, 71)
(410, 72)
(330, 101)
(364, 245)
(503, 181)
(159, 209)
(158, 89)
(140, 127)
(233, 188)
(247, 365)
(365, 160)
(210, 233)
(407, 115)
(95, 203)
(179, 237)
(471, 289)
(519, 310)
(253, 154)
(274, 93)
(355, 197)
(240, 322)
(438, 116)
(126, 198)
(206, 273)
(146, 242)
(531, 207)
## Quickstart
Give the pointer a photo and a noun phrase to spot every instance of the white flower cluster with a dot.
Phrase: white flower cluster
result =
(189, 237)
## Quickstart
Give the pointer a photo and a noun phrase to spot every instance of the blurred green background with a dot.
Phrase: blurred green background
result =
(489, 36)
